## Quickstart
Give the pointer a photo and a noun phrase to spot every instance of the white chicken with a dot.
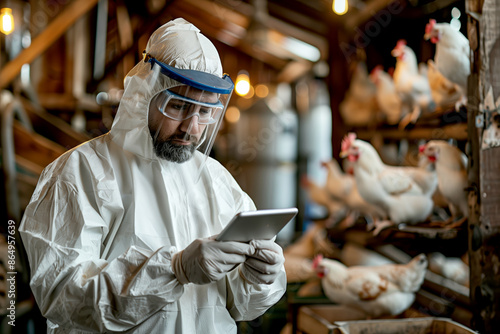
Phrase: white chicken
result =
(342, 186)
(404, 193)
(411, 84)
(451, 169)
(452, 57)
(444, 93)
(319, 195)
(388, 99)
(300, 254)
(359, 106)
(450, 267)
(376, 290)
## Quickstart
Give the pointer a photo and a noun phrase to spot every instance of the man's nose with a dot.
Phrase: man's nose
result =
(190, 125)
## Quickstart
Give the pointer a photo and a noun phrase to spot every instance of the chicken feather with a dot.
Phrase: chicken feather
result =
(376, 290)
(405, 193)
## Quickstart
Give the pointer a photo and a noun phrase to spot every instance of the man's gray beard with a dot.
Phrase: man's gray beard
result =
(172, 152)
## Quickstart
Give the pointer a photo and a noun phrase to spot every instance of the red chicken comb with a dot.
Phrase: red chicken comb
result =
(401, 44)
(429, 26)
(317, 260)
(375, 71)
(421, 148)
(348, 141)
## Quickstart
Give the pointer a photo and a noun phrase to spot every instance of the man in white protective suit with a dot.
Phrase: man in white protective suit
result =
(120, 230)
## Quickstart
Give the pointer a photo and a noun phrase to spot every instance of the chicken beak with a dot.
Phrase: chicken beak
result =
(396, 52)
(343, 154)
(427, 36)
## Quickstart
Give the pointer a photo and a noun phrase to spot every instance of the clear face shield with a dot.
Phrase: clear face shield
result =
(186, 117)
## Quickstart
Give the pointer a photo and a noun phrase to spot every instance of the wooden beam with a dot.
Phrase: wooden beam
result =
(46, 38)
(371, 8)
(34, 147)
(229, 18)
(124, 27)
(236, 19)
(220, 28)
(455, 131)
(53, 127)
(141, 36)
(56, 101)
(28, 165)
(293, 71)
(314, 20)
(209, 29)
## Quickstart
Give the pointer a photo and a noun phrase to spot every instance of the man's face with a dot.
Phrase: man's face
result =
(175, 140)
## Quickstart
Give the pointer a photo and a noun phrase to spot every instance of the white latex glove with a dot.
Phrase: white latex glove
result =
(264, 266)
(207, 260)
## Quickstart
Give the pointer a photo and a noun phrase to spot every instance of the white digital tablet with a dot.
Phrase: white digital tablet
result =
(260, 224)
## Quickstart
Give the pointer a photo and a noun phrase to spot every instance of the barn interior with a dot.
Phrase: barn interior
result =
(307, 80)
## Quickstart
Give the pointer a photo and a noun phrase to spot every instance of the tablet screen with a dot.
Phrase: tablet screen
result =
(258, 225)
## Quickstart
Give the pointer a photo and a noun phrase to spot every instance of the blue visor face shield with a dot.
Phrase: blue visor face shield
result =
(188, 114)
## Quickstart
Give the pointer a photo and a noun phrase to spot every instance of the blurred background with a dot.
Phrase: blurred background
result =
(304, 76)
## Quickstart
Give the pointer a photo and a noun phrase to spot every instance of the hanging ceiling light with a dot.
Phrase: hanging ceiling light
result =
(242, 85)
(340, 7)
(7, 21)
(257, 30)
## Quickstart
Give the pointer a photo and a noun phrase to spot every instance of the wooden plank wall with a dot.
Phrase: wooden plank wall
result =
(484, 166)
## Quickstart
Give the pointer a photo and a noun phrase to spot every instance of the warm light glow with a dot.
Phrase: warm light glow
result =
(250, 94)
(242, 86)
(7, 25)
(232, 114)
(261, 90)
(340, 7)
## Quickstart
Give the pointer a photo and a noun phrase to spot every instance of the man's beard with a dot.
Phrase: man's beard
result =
(166, 149)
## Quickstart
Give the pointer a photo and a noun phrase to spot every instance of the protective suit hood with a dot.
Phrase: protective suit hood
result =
(177, 43)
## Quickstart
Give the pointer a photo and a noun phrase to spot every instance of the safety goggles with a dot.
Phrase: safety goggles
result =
(180, 108)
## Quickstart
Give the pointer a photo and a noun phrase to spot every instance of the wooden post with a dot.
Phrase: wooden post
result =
(338, 85)
(484, 165)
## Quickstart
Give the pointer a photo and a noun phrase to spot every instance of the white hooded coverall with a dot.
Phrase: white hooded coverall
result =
(107, 216)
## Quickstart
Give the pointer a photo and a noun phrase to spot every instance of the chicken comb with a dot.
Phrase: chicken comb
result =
(377, 68)
(317, 260)
(429, 26)
(348, 141)
(421, 148)
(375, 71)
(401, 44)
